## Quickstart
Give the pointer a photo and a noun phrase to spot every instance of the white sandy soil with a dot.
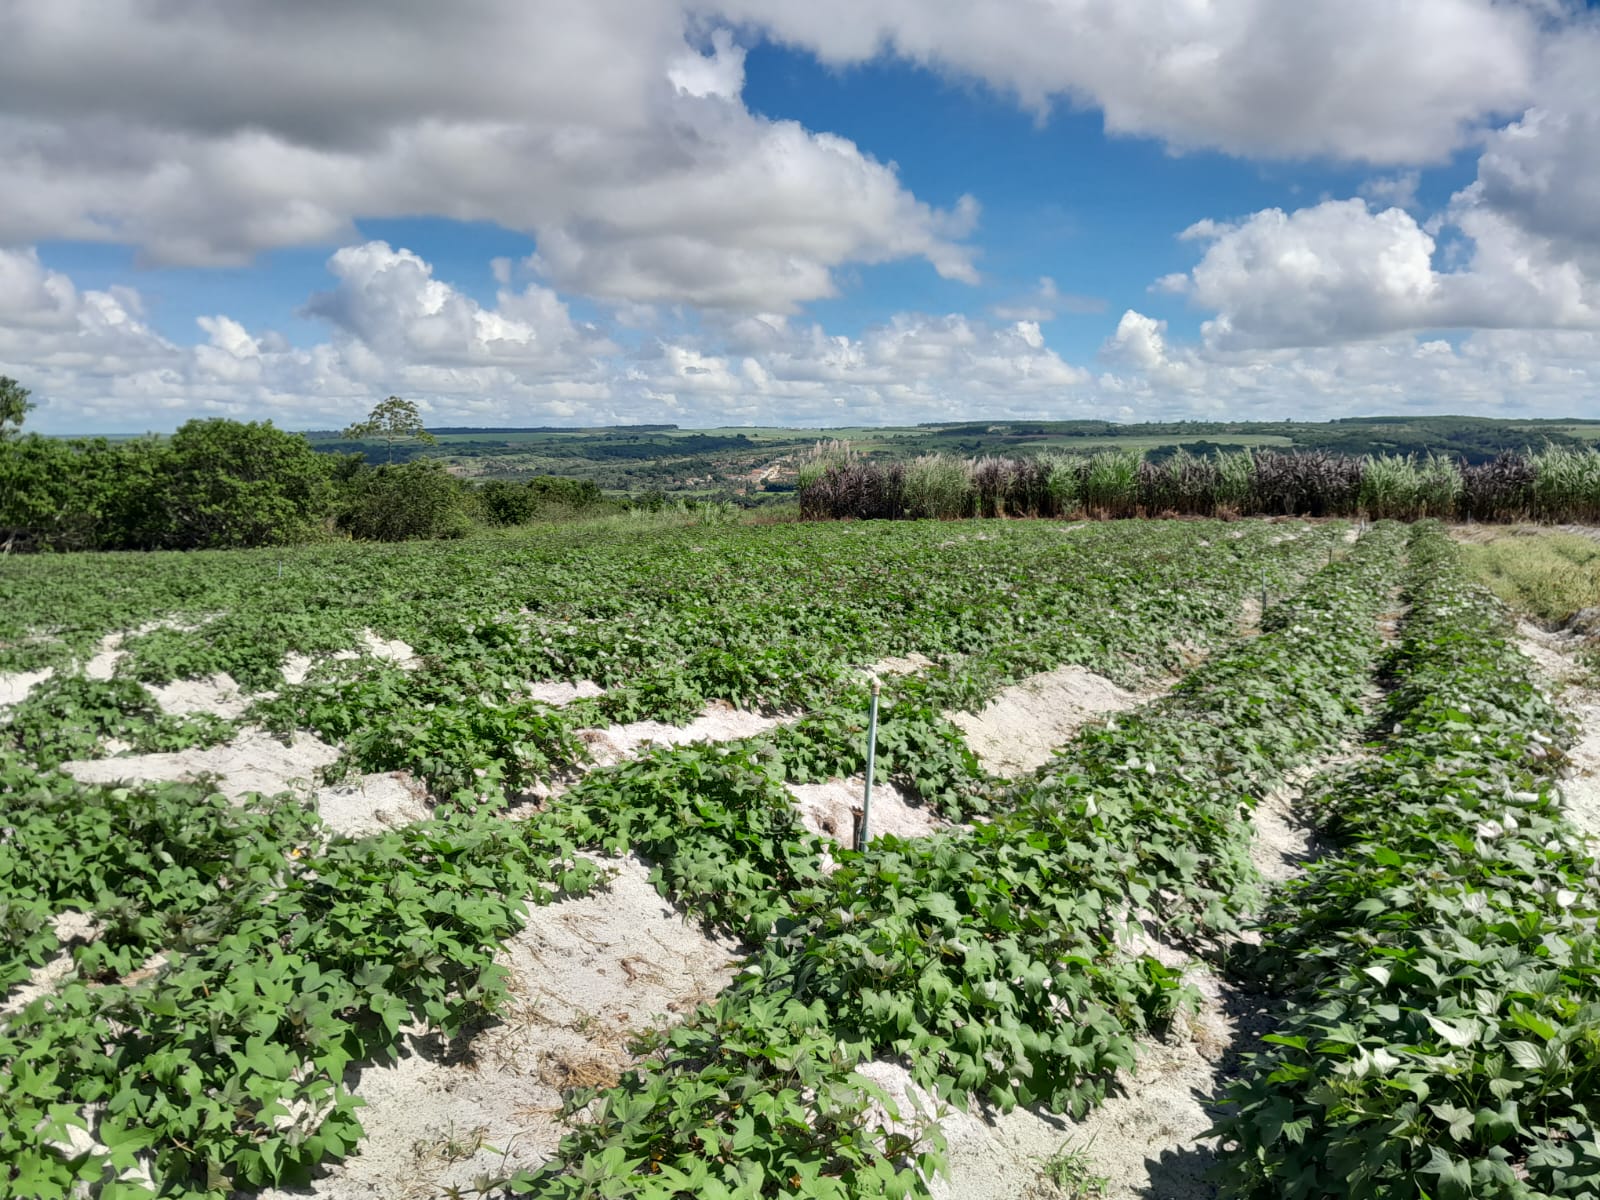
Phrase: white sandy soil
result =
(1143, 1141)
(909, 664)
(70, 927)
(827, 809)
(254, 761)
(15, 685)
(560, 692)
(1555, 656)
(720, 722)
(219, 694)
(585, 976)
(1021, 727)
(371, 804)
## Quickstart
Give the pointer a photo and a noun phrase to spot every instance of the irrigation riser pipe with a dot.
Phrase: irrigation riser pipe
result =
(863, 833)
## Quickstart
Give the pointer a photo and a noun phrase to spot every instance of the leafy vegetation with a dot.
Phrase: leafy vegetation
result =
(391, 421)
(289, 955)
(754, 464)
(223, 1069)
(994, 960)
(1438, 970)
(1441, 970)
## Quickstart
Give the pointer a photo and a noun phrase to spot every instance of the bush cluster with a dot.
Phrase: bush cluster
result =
(221, 484)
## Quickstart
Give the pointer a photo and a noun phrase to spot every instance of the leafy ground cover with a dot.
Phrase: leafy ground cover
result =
(245, 957)
(995, 960)
(222, 1069)
(777, 619)
(1440, 969)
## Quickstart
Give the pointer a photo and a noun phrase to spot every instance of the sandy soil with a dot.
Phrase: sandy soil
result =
(1250, 616)
(296, 666)
(103, 663)
(1146, 1140)
(1285, 835)
(910, 664)
(1555, 654)
(559, 693)
(372, 804)
(1143, 1141)
(585, 976)
(396, 651)
(720, 722)
(219, 694)
(254, 761)
(109, 653)
(1021, 727)
(70, 927)
(829, 810)
(15, 685)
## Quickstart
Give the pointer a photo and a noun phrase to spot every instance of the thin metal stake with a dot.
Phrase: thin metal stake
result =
(872, 759)
(1263, 591)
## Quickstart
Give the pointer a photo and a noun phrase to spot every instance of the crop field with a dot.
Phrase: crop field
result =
(1204, 858)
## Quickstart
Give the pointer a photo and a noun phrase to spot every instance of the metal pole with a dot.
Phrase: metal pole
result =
(872, 761)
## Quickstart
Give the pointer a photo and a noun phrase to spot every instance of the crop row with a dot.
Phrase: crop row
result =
(288, 957)
(285, 963)
(778, 620)
(1443, 1033)
(993, 959)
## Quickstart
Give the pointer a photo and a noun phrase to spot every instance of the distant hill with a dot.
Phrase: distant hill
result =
(750, 460)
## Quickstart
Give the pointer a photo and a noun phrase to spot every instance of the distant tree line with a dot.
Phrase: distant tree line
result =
(223, 484)
(1555, 484)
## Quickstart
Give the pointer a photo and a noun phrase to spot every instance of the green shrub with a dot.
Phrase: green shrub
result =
(231, 484)
(418, 499)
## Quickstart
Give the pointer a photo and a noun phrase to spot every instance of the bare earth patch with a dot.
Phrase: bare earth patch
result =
(910, 664)
(1127, 1140)
(1020, 728)
(102, 665)
(372, 804)
(254, 761)
(15, 685)
(585, 976)
(828, 810)
(395, 651)
(70, 927)
(565, 693)
(1250, 617)
(1285, 836)
(1554, 655)
(218, 694)
(720, 722)
(1147, 1140)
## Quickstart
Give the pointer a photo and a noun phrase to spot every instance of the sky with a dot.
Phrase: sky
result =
(798, 212)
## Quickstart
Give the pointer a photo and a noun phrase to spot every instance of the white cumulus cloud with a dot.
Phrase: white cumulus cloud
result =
(205, 134)
(1368, 80)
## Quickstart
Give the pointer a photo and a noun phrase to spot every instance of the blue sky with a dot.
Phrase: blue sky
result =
(833, 213)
